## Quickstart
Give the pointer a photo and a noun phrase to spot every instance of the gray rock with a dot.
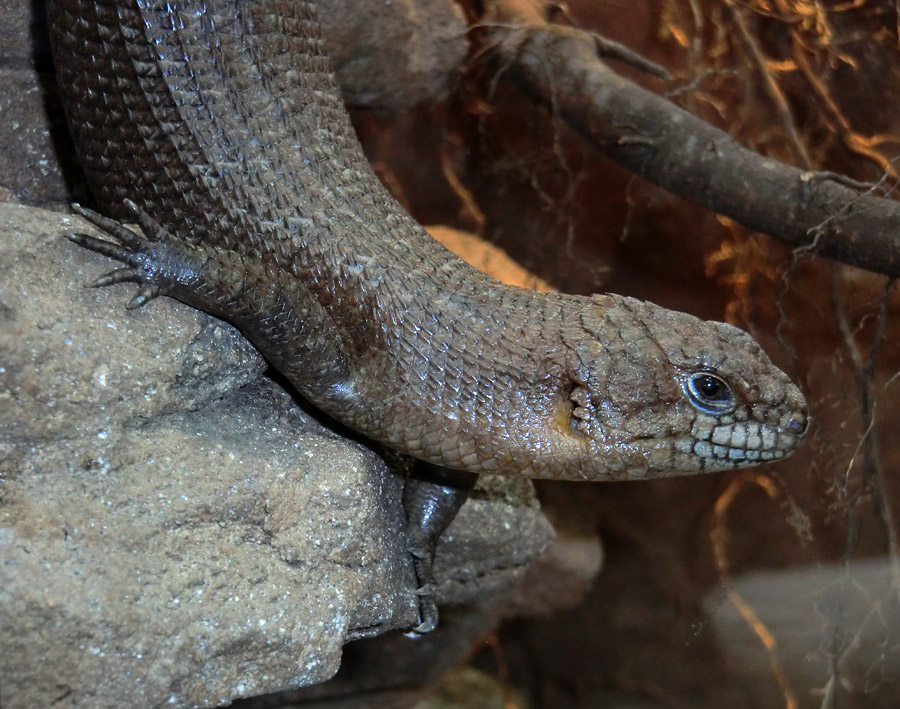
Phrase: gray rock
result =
(33, 136)
(174, 528)
(391, 56)
(834, 628)
(393, 672)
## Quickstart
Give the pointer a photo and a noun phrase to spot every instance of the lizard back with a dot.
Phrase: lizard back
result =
(222, 121)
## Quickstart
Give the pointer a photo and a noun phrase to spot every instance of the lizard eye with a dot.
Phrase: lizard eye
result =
(709, 393)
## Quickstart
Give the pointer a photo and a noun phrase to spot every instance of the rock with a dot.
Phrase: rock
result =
(392, 56)
(834, 627)
(174, 527)
(394, 672)
(34, 141)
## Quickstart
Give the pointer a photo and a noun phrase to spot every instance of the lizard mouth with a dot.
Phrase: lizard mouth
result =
(749, 442)
(737, 456)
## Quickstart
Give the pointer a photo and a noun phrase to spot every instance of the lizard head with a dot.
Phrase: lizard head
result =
(659, 392)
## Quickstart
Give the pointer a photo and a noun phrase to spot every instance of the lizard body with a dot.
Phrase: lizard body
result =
(220, 123)
(226, 126)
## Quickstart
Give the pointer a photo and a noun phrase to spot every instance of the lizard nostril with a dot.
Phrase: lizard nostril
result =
(797, 424)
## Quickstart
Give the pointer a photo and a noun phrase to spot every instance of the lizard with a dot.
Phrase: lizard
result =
(218, 127)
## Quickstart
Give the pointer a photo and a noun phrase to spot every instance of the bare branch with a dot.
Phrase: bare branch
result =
(559, 67)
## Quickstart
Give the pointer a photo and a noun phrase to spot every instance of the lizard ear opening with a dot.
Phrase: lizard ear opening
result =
(578, 411)
(710, 393)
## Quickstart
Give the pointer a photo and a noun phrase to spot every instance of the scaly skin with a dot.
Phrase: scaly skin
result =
(230, 132)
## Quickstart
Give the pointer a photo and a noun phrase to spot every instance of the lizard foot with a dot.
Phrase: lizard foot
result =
(155, 259)
(432, 497)
(423, 562)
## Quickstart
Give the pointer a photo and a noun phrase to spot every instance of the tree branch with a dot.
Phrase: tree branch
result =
(670, 147)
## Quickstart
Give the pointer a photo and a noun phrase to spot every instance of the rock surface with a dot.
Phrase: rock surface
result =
(174, 528)
(34, 144)
(391, 56)
(801, 606)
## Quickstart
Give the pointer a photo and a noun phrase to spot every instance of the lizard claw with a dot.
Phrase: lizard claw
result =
(428, 615)
(148, 292)
(101, 246)
(153, 230)
(117, 231)
(118, 275)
